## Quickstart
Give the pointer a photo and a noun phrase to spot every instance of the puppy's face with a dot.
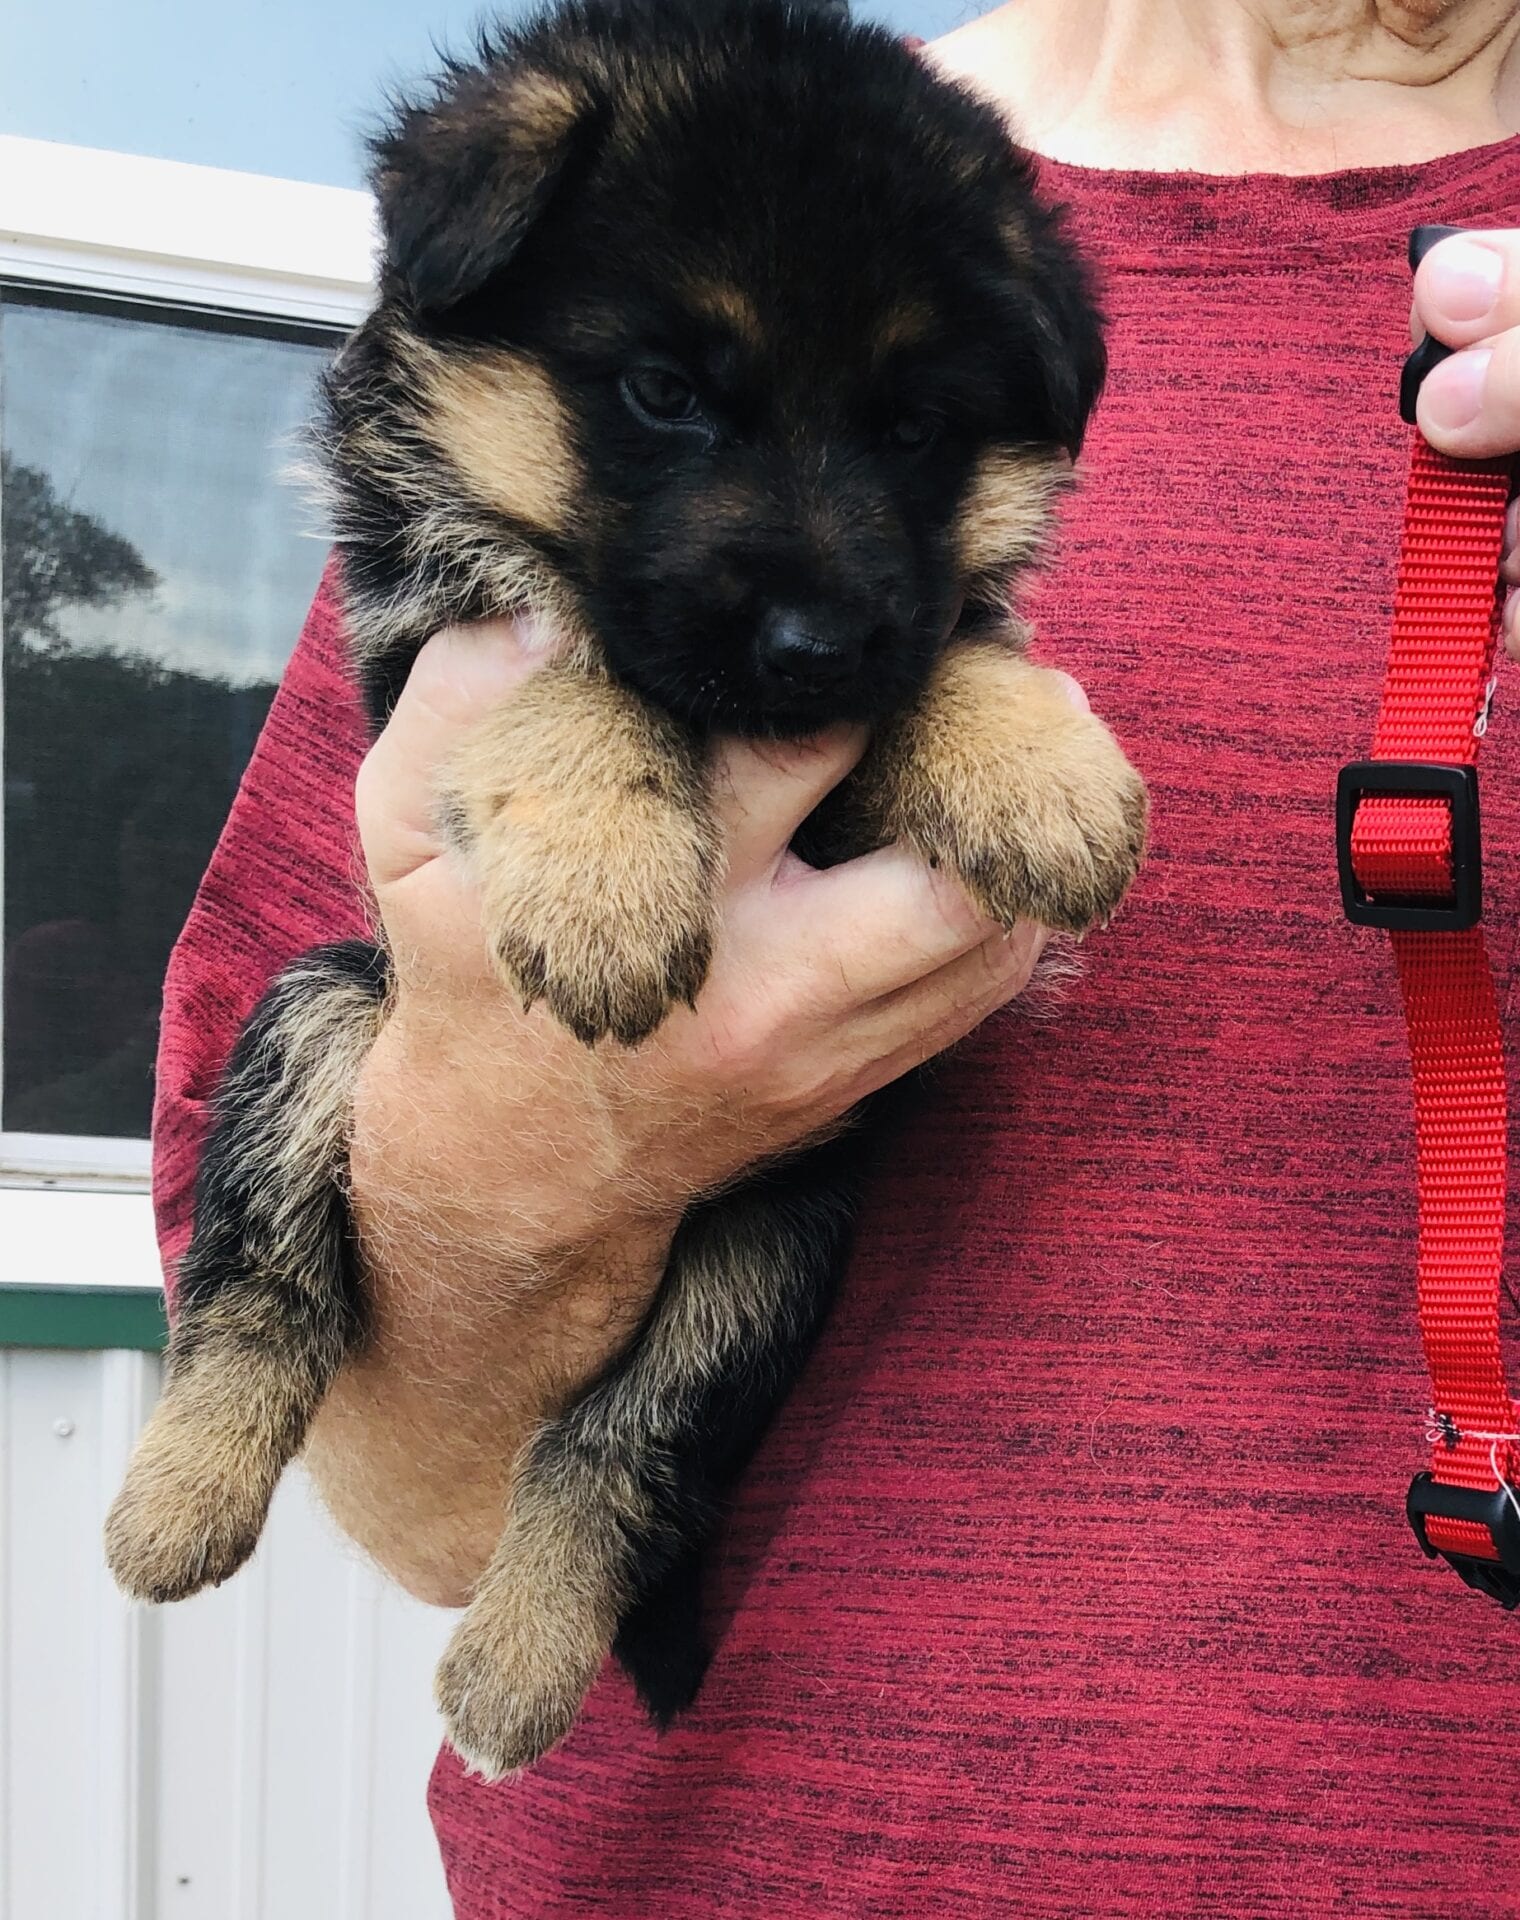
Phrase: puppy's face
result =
(750, 328)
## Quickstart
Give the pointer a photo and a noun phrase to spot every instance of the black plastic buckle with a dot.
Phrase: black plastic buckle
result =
(1430, 352)
(1401, 778)
(1499, 1579)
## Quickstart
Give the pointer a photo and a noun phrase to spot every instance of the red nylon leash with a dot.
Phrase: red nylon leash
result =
(1411, 862)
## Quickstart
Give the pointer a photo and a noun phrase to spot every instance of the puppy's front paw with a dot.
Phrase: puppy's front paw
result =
(513, 1677)
(1029, 800)
(1068, 855)
(599, 966)
(189, 1514)
(608, 933)
(585, 815)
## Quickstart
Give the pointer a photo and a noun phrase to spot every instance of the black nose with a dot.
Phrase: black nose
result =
(801, 653)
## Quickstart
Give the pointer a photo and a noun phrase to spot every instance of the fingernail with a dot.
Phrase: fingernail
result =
(1075, 692)
(1464, 278)
(1452, 395)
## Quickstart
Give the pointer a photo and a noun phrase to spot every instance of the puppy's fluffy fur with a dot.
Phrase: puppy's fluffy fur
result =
(727, 336)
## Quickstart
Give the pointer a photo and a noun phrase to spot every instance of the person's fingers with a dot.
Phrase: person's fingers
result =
(1075, 692)
(1469, 405)
(456, 677)
(1468, 288)
(879, 923)
(904, 1029)
(763, 790)
(1467, 294)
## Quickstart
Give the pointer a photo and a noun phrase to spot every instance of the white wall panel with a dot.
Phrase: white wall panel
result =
(257, 1753)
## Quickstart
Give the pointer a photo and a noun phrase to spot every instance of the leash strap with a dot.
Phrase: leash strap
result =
(1410, 848)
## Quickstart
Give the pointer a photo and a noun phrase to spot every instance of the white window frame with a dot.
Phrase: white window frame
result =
(74, 1211)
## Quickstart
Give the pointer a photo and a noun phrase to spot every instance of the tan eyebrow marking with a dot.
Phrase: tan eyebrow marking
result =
(908, 324)
(729, 305)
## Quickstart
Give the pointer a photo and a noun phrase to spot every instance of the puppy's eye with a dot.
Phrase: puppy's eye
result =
(915, 431)
(661, 396)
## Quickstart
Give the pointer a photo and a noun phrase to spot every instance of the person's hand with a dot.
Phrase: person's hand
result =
(514, 1192)
(823, 987)
(1467, 294)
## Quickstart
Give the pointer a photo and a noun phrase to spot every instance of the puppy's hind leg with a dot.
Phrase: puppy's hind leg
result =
(615, 1500)
(268, 1298)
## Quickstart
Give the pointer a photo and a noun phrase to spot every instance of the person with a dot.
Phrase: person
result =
(1072, 1580)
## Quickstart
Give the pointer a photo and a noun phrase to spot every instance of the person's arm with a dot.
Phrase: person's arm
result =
(515, 1191)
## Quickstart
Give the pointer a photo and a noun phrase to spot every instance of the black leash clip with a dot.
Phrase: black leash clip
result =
(1499, 1579)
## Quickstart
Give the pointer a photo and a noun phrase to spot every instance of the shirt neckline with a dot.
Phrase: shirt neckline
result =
(1222, 217)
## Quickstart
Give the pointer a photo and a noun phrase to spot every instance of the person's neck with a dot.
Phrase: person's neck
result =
(1246, 86)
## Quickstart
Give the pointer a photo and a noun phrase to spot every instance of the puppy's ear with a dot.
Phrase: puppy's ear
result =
(461, 179)
(1068, 326)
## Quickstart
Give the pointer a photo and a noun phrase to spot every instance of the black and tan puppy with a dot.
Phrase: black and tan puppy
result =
(727, 336)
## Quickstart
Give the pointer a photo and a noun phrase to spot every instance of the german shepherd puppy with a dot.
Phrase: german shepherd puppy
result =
(732, 340)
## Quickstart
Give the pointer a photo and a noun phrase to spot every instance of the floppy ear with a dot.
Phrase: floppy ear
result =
(461, 179)
(1070, 353)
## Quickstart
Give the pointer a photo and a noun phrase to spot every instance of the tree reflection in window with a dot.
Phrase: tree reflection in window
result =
(125, 737)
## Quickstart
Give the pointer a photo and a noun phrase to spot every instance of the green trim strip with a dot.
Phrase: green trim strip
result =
(94, 1318)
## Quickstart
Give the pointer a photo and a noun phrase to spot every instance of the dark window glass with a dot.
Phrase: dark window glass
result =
(154, 574)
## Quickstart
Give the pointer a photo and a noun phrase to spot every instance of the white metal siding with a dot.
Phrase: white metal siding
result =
(257, 1753)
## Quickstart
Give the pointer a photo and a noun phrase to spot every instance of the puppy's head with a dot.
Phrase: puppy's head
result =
(750, 329)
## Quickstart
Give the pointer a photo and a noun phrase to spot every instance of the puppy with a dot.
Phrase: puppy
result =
(726, 336)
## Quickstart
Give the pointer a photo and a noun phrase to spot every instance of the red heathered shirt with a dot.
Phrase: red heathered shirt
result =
(1073, 1580)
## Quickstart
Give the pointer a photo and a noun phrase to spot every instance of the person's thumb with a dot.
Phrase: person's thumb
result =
(763, 790)
(458, 676)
